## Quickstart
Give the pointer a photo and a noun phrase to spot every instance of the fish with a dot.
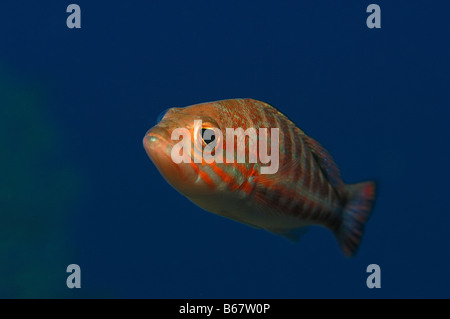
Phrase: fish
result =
(305, 190)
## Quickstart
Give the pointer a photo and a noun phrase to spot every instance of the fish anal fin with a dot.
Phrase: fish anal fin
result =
(236, 218)
(293, 234)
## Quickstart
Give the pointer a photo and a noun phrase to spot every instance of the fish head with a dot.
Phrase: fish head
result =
(183, 126)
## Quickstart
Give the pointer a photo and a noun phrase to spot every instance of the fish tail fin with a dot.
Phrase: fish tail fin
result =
(355, 215)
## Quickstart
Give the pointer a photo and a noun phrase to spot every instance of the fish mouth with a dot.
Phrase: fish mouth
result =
(184, 175)
(158, 146)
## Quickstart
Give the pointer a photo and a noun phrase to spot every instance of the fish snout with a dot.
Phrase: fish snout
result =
(156, 142)
(158, 145)
(183, 176)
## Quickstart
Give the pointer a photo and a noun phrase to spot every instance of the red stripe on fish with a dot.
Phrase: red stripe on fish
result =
(203, 175)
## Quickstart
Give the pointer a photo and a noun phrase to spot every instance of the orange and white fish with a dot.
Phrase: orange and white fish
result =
(306, 190)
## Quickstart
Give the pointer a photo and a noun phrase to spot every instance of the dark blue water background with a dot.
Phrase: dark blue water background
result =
(79, 187)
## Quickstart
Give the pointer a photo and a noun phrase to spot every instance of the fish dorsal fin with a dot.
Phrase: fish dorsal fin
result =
(325, 161)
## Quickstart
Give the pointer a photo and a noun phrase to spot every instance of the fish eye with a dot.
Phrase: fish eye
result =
(208, 135)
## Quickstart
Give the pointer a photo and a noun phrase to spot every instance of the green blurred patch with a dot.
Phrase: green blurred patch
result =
(38, 190)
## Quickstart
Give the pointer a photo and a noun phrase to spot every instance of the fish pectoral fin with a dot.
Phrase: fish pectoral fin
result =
(293, 234)
(285, 169)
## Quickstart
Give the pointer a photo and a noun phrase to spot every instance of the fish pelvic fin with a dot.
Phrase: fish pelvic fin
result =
(355, 215)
